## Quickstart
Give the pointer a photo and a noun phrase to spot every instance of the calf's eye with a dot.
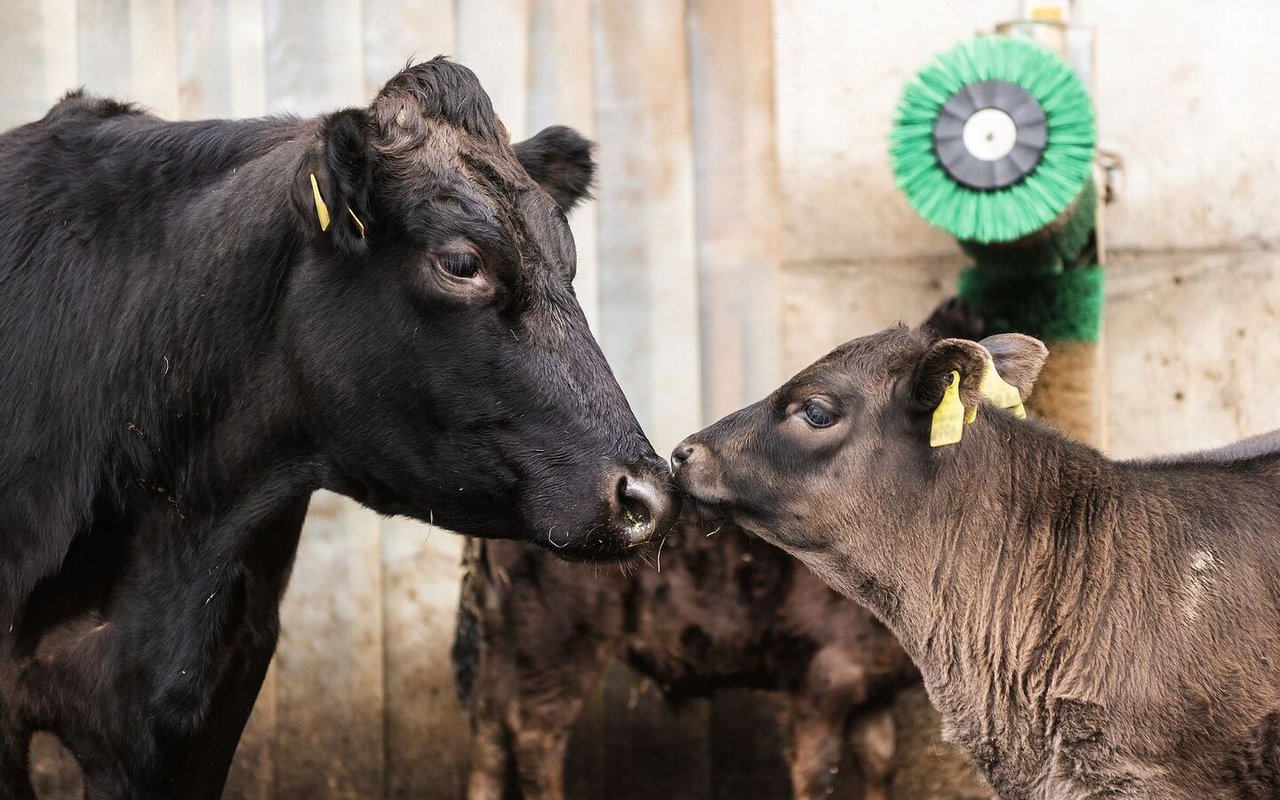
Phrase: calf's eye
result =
(817, 416)
(459, 265)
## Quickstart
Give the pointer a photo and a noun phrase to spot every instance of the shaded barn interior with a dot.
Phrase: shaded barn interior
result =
(745, 221)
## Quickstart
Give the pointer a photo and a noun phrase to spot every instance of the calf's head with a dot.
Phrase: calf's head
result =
(446, 369)
(839, 458)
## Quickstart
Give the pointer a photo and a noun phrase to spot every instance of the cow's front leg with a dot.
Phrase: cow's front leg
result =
(540, 754)
(872, 736)
(816, 745)
(154, 739)
(490, 760)
(206, 757)
(835, 688)
(539, 724)
(15, 742)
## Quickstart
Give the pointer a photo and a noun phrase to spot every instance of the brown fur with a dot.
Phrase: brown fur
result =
(726, 610)
(1088, 628)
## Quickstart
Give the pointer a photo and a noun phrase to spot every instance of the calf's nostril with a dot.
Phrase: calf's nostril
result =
(680, 455)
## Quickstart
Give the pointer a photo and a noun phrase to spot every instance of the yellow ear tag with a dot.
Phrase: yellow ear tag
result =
(356, 220)
(322, 211)
(948, 417)
(1001, 393)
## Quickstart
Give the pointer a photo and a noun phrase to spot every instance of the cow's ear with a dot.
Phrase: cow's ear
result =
(1018, 359)
(933, 373)
(559, 159)
(333, 186)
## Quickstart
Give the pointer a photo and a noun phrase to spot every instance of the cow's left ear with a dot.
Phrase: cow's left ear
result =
(334, 183)
(1018, 359)
(559, 159)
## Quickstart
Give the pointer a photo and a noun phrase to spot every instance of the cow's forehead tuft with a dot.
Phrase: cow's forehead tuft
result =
(443, 91)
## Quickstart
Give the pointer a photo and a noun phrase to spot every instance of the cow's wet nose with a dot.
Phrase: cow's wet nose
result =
(645, 505)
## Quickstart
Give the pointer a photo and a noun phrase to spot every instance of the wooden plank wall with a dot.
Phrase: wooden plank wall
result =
(745, 223)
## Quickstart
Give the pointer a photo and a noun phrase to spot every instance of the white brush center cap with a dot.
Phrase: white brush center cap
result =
(990, 134)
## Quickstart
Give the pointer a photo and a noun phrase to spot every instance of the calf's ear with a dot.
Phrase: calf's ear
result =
(559, 159)
(332, 188)
(933, 373)
(1018, 359)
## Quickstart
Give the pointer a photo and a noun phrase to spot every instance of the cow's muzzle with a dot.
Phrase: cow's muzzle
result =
(644, 504)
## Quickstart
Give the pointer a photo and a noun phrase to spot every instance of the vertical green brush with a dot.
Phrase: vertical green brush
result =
(994, 140)
(994, 143)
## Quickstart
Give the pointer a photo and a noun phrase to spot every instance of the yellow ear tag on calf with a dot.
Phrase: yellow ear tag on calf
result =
(948, 417)
(322, 211)
(1001, 393)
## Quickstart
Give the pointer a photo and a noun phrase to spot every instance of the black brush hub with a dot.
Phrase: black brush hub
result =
(990, 135)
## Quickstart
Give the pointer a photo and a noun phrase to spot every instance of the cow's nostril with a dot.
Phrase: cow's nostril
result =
(680, 455)
(645, 506)
(634, 498)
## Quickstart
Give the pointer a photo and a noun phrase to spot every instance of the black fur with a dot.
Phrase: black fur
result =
(559, 158)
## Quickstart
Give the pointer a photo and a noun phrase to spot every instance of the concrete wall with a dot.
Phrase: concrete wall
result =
(746, 223)
(1194, 275)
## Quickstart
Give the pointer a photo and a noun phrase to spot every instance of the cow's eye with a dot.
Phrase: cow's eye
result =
(817, 416)
(459, 265)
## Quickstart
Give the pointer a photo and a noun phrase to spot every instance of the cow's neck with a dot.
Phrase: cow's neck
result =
(207, 366)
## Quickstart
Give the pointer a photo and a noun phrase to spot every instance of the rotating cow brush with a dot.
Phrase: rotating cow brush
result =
(994, 140)
(994, 143)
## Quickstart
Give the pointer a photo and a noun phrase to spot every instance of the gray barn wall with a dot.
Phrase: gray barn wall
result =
(746, 222)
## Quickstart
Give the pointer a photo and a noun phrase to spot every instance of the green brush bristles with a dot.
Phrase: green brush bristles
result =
(1064, 306)
(1059, 246)
(1012, 212)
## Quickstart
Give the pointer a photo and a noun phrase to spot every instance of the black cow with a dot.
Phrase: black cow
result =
(201, 323)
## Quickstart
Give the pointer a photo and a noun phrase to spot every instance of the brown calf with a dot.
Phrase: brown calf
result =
(726, 610)
(1088, 628)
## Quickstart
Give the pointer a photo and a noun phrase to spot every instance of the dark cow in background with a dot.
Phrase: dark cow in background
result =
(201, 323)
(1088, 628)
(724, 611)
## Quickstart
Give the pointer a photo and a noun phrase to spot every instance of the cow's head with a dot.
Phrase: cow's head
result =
(447, 369)
(840, 456)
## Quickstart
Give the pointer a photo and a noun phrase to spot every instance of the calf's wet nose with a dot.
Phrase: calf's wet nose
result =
(680, 455)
